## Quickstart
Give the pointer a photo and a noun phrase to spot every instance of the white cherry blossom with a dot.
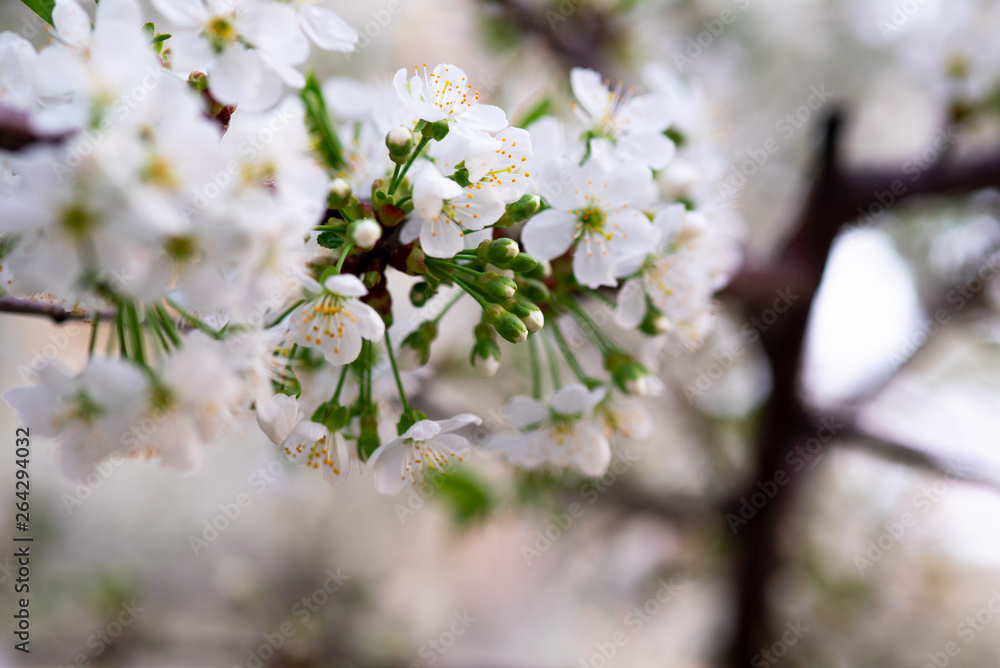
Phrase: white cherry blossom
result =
(428, 444)
(597, 213)
(336, 321)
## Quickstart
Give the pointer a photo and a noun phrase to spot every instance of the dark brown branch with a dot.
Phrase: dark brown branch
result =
(837, 198)
(28, 307)
(578, 38)
(16, 132)
(909, 455)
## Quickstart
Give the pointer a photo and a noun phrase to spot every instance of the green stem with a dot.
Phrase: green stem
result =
(168, 324)
(553, 364)
(157, 329)
(536, 368)
(567, 353)
(194, 320)
(120, 326)
(447, 307)
(395, 177)
(287, 312)
(93, 334)
(471, 290)
(590, 328)
(138, 347)
(395, 372)
(340, 384)
(453, 265)
(343, 257)
(330, 228)
(398, 178)
(288, 367)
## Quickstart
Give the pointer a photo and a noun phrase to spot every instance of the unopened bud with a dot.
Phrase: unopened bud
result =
(540, 271)
(507, 325)
(399, 141)
(533, 290)
(630, 376)
(340, 193)
(522, 264)
(364, 233)
(421, 293)
(437, 130)
(415, 351)
(530, 315)
(497, 286)
(524, 208)
(485, 357)
(498, 251)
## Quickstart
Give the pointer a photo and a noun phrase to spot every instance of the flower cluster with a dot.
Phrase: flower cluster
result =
(236, 225)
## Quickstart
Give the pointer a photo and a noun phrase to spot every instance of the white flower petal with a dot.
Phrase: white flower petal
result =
(655, 150)
(386, 464)
(327, 30)
(423, 430)
(549, 234)
(523, 411)
(631, 305)
(593, 264)
(441, 238)
(593, 452)
(459, 421)
(571, 400)
(277, 416)
(71, 22)
(183, 13)
(345, 285)
(368, 322)
(590, 91)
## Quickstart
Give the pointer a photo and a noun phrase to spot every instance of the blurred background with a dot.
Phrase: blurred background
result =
(889, 549)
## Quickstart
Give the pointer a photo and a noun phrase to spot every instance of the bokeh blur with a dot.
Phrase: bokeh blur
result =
(889, 551)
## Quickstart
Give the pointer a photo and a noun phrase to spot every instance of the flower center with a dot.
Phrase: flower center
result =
(221, 32)
(78, 221)
(591, 219)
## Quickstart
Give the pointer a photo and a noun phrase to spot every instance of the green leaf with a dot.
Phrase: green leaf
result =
(329, 240)
(461, 175)
(319, 123)
(467, 497)
(542, 108)
(43, 8)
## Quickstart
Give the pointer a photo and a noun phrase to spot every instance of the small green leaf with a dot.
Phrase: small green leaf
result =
(542, 108)
(43, 8)
(467, 497)
(320, 125)
(329, 240)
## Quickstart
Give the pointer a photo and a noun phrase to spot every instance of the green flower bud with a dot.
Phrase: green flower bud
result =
(532, 290)
(415, 350)
(522, 264)
(630, 376)
(540, 272)
(655, 323)
(421, 293)
(507, 325)
(529, 314)
(498, 251)
(340, 194)
(399, 141)
(497, 286)
(437, 130)
(485, 357)
(364, 233)
(524, 208)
